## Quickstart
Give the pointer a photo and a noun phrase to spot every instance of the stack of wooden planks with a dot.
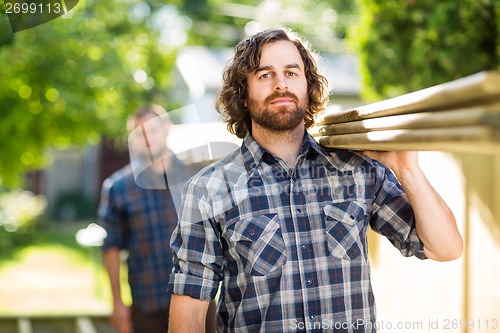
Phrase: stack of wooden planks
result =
(457, 116)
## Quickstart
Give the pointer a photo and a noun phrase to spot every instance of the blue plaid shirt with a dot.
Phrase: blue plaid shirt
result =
(141, 221)
(288, 244)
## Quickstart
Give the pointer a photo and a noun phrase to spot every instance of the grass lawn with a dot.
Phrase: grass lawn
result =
(53, 274)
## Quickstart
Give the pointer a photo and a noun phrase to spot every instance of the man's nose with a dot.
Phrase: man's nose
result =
(281, 83)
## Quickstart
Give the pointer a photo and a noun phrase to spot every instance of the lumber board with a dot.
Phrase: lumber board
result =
(461, 117)
(477, 89)
(477, 139)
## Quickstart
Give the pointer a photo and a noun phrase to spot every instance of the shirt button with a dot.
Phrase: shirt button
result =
(303, 246)
(251, 232)
(352, 217)
(311, 317)
(299, 211)
(308, 281)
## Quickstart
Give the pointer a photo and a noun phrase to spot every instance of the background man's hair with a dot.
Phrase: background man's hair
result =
(145, 110)
(231, 101)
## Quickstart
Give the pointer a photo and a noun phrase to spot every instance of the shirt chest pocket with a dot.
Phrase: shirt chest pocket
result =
(258, 243)
(344, 224)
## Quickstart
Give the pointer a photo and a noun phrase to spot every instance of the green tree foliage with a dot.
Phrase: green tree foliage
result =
(407, 45)
(75, 78)
(224, 23)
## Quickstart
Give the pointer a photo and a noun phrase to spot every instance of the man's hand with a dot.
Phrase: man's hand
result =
(121, 318)
(395, 160)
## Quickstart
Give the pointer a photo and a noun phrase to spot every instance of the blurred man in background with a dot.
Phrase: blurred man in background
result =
(138, 213)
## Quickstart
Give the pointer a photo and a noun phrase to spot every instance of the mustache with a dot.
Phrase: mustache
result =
(285, 94)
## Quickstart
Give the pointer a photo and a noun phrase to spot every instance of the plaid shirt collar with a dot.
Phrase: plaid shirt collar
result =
(254, 154)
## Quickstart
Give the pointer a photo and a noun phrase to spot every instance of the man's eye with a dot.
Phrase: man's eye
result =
(291, 74)
(265, 76)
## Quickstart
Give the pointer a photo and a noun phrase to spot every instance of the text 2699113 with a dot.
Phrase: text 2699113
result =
(33, 8)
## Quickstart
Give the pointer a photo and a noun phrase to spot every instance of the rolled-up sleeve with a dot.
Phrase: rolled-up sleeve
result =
(198, 258)
(392, 215)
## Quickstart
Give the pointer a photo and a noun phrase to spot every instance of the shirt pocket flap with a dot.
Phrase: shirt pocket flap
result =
(258, 244)
(348, 212)
(253, 229)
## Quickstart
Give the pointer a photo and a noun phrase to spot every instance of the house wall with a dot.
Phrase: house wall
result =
(72, 183)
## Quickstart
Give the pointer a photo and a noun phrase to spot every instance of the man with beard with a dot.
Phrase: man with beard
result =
(279, 226)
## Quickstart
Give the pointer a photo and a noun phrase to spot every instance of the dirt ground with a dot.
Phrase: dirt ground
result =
(49, 284)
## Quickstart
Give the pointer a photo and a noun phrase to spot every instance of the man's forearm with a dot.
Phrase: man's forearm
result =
(187, 315)
(111, 261)
(435, 222)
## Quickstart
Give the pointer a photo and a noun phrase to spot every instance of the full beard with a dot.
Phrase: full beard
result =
(282, 119)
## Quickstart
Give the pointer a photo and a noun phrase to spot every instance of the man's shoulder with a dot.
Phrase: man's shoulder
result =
(120, 177)
(228, 162)
(223, 168)
(346, 159)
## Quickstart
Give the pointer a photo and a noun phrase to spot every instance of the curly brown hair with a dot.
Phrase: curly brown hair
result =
(231, 102)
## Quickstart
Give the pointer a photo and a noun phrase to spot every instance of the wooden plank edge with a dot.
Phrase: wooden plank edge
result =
(463, 139)
(485, 115)
(447, 147)
(479, 88)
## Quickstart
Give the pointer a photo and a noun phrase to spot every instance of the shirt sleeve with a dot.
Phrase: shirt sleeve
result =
(198, 255)
(111, 217)
(392, 214)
